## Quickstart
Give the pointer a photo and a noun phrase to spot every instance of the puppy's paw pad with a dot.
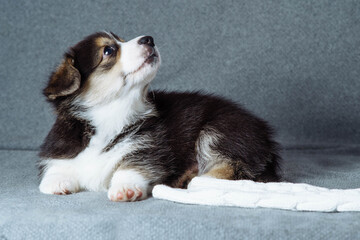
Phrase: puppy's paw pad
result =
(125, 193)
(58, 184)
(130, 193)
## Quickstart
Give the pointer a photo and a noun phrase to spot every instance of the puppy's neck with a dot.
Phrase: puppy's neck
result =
(111, 117)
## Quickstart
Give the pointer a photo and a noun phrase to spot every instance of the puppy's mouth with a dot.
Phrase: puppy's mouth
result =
(152, 57)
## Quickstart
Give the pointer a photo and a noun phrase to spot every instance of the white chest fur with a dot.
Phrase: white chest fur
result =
(110, 118)
(93, 168)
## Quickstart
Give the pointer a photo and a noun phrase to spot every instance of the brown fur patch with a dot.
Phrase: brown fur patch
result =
(103, 41)
(221, 171)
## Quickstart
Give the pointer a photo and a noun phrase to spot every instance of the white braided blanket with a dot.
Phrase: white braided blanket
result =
(249, 194)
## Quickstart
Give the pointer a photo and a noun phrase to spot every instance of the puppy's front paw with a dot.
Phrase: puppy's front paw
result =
(58, 184)
(127, 185)
(126, 192)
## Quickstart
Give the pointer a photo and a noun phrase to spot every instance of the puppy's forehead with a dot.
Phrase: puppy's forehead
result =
(108, 37)
(117, 37)
(102, 41)
(105, 38)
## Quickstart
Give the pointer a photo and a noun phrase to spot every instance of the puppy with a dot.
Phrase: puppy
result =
(112, 135)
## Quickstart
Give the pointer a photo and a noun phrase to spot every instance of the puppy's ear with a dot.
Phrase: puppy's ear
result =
(64, 81)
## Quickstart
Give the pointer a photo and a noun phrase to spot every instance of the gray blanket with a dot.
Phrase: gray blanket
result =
(25, 213)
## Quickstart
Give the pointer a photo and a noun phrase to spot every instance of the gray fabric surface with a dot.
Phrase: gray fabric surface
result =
(295, 63)
(25, 213)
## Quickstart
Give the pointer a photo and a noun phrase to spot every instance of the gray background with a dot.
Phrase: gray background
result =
(294, 63)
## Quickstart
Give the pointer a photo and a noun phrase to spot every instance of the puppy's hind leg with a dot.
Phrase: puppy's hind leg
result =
(211, 163)
(214, 163)
(226, 157)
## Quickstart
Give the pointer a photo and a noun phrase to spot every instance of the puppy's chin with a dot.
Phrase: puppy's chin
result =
(144, 75)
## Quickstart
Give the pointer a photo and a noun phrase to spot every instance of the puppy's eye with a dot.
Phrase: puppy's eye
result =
(108, 50)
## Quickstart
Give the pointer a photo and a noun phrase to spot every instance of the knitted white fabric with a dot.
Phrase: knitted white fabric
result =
(250, 194)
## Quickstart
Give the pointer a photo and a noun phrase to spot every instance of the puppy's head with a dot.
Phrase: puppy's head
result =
(102, 67)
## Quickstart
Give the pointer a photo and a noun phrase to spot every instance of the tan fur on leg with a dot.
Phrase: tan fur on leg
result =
(221, 171)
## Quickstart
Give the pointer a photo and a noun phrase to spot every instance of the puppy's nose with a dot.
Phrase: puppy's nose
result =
(148, 40)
